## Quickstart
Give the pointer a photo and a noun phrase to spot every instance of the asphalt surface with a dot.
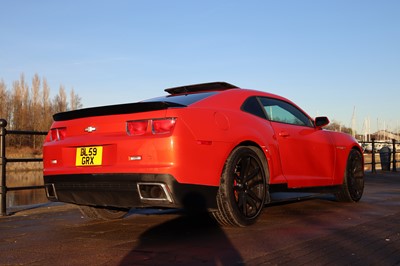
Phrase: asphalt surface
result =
(310, 231)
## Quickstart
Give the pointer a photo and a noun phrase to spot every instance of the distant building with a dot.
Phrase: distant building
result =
(385, 135)
(379, 135)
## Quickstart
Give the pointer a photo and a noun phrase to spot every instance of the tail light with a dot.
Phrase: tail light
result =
(158, 126)
(136, 128)
(58, 133)
(163, 126)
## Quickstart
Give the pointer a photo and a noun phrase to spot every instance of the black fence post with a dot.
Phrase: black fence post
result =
(373, 156)
(394, 155)
(3, 161)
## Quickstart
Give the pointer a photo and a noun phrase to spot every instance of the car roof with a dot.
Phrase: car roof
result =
(233, 98)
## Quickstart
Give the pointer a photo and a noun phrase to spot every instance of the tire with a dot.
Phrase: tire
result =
(243, 189)
(103, 213)
(353, 181)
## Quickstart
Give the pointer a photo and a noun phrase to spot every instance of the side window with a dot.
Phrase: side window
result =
(253, 106)
(283, 112)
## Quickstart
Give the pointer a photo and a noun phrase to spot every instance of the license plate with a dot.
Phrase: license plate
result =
(89, 156)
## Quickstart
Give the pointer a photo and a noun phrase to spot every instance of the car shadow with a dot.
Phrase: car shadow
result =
(193, 238)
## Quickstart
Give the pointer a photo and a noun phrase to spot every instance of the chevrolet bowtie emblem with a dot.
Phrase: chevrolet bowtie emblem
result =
(90, 129)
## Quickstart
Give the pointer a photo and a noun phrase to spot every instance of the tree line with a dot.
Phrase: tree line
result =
(337, 126)
(30, 107)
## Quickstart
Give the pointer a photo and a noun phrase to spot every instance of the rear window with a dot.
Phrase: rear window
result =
(186, 99)
(252, 106)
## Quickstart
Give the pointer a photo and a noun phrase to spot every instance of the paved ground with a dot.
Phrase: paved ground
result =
(317, 231)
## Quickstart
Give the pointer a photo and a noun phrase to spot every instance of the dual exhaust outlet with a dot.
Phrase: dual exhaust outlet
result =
(148, 192)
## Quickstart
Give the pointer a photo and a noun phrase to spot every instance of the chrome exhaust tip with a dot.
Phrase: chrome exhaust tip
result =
(154, 192)
(51, 191)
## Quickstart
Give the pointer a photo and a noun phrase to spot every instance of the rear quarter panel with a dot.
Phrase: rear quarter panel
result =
(215, 134)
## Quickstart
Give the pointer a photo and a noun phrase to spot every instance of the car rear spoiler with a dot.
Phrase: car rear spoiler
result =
(118, 109)
(212, 86)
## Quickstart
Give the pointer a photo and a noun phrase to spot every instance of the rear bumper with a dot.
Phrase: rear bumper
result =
(128, 191)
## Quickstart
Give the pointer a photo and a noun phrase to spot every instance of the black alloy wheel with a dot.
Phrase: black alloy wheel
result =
(353, 181)
(243, 189)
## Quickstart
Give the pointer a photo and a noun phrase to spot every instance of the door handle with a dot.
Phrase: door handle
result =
(284, 134)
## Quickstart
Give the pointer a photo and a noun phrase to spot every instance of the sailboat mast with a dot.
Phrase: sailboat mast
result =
(353, 122)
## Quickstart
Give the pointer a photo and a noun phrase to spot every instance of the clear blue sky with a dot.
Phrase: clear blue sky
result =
(328, 56)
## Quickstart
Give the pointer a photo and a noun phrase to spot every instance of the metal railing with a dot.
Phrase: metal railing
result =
(4, 160)
(374, 148)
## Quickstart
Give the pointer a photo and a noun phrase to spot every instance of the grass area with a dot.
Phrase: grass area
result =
(23, 152)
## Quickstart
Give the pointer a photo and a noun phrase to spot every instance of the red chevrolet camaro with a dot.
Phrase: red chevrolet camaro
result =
(212, 146)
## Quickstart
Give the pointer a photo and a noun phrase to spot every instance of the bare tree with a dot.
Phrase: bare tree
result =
(46, 107)
(75, 100)
(31, 108)
(35, 107)
(60, 101)
(24, 112)
(4, 101)
(15, 110)
(337, 126)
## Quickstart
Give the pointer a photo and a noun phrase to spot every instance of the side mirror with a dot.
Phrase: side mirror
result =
(321, 121)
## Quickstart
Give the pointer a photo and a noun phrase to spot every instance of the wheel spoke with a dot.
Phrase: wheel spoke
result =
(253, 173)
(254, 184)
(254, 204)
(243, 166)
(248, 202)
(254, 196)
(243, 203)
